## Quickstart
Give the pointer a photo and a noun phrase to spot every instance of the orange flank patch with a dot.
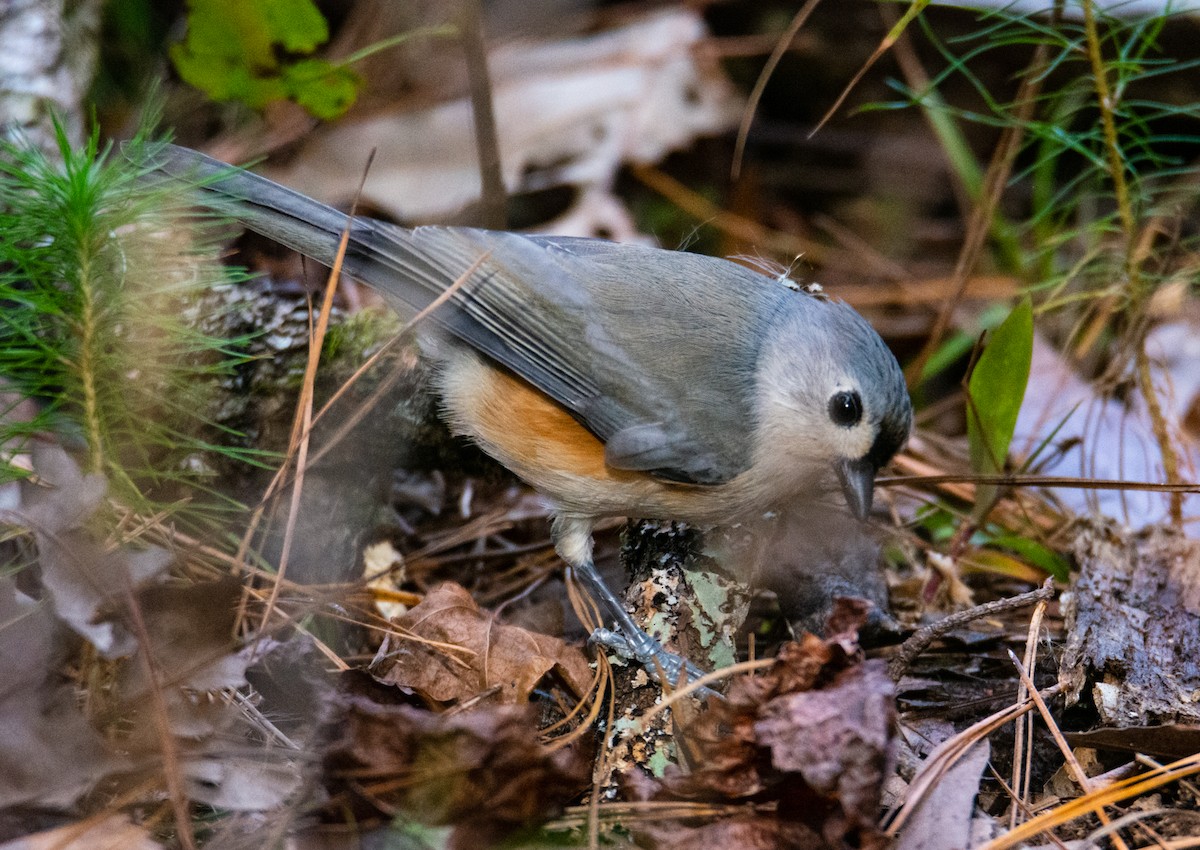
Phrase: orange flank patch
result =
(528, 429)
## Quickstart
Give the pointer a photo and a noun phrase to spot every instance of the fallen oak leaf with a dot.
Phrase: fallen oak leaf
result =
(511, 658)
(190, 638)
(49, 753)
(943, 819)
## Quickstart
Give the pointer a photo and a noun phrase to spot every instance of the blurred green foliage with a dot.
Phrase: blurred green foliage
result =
(257, 53)
(99, 281)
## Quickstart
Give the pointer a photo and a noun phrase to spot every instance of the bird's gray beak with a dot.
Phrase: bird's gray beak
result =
(858, 484)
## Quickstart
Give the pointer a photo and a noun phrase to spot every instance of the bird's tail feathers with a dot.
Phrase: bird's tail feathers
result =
(299, 222)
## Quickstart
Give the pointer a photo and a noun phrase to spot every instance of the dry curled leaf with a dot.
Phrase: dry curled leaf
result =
(838, 741)
(744, 833)
(84, 579)
(49, 753)
(248, 766)
(484, 770)
(462, 651)
(814, 733)
(190, 630)
(943, 819)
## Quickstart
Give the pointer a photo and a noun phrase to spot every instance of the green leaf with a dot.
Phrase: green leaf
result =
(255, 53)
(1036, 553)
(955, 346)
(937, 522)
(994, 395)
(325, 90)
(296, 24)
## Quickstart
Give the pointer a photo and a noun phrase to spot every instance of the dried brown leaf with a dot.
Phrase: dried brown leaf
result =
(943, 819)
(190, 636)
(110, 833)
(743, 833)
(251, 766)
(85, 580)
(484, 771)
(491, 654)
(838, 739)
(49, 754)
(814, 733)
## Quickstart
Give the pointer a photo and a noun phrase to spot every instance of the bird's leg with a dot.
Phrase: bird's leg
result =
(573, 541)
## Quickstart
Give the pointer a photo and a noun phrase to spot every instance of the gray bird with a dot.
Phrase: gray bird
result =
(617, 380)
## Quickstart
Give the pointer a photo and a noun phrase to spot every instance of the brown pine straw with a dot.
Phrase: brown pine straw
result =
(305, 419)
(369, 404)
(588, 612)
(1022, 748)
(760, 85)
(603, 767)
(1023, 806)
(301, 426)
(735, 225)
(1094, 800)
(171, 762)
(1076, 769)
(1107, 796)
(947, 753)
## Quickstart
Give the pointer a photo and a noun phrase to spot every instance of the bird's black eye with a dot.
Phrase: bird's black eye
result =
(845, 408)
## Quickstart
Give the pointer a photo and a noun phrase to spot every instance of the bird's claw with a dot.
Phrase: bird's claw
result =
(662, 666)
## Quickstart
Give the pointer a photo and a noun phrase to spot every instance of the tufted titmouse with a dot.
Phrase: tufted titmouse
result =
(618, 380)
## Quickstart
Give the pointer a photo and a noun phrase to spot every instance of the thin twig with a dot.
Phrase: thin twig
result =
(760, 85)
(1138, 288)
(985, 208)
(1038, 481)
(1073, 766)
(698, 684)
(171, 764)
(493, 200)
(921, 640)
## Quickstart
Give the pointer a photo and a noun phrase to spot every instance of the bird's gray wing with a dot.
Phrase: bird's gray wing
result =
(653, 351)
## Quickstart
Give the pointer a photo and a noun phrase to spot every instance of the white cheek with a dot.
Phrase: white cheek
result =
(853, 442)
(802, 437)
(786, 438)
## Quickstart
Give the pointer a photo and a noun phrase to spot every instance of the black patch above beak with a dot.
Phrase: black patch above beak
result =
(858, 484)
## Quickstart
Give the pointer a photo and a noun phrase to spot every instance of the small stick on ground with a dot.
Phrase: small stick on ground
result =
(921, 640)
